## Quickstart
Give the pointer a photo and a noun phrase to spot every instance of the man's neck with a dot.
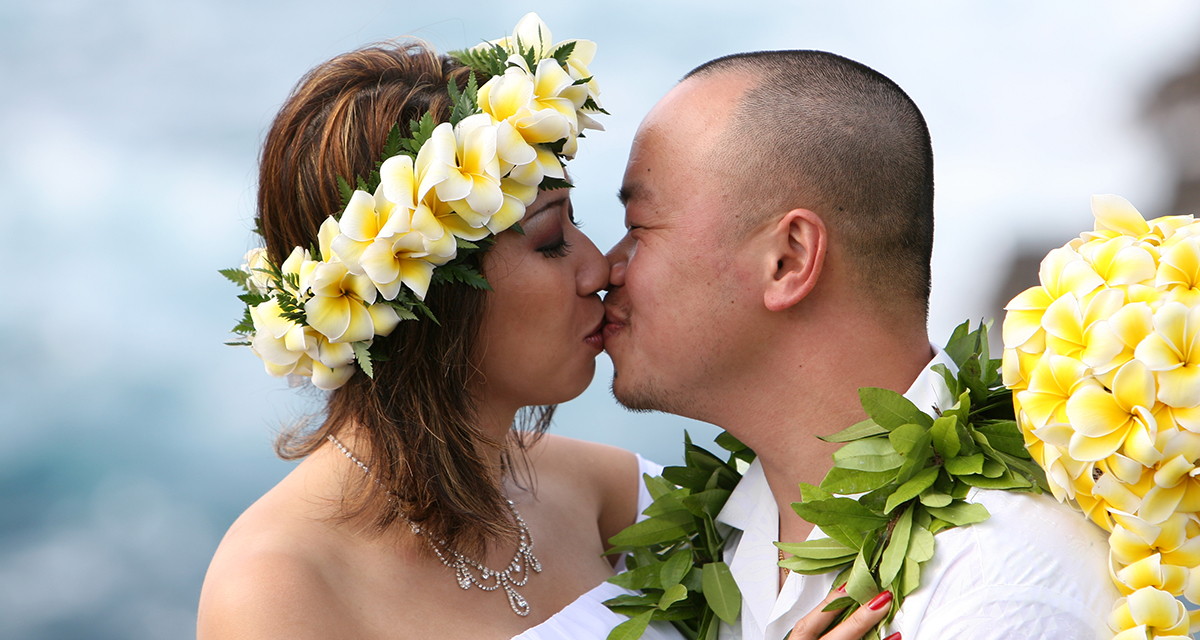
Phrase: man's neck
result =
(817, 394)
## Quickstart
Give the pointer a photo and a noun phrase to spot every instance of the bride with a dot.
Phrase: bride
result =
(428, 503)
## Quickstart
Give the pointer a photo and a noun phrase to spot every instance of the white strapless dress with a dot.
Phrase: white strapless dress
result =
(587, 618)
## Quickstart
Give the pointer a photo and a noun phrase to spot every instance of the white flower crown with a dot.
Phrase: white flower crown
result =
(437, 197)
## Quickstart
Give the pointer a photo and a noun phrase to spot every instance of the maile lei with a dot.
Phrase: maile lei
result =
(913, 471)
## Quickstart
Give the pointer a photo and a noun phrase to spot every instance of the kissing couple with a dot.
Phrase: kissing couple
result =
(423, 265)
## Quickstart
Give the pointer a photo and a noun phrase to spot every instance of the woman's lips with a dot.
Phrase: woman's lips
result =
(596, 338)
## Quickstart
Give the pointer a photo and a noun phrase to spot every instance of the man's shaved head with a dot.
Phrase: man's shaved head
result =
(820, 132)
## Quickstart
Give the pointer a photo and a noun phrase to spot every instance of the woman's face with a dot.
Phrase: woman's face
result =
(542, 328)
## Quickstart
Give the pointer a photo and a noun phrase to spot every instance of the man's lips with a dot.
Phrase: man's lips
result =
(612, 324)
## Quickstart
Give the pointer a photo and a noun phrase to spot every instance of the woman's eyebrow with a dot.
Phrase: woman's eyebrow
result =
(544, 207)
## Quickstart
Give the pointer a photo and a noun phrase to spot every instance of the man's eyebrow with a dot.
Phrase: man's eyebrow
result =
(628, 192)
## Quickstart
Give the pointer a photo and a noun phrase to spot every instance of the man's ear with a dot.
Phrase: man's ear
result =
(796, 254)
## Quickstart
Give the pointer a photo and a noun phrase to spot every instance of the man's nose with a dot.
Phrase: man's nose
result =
(618, 261)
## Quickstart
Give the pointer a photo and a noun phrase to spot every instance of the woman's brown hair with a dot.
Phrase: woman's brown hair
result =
(416, 419)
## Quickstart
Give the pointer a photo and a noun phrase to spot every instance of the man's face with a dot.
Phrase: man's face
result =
(674, 302)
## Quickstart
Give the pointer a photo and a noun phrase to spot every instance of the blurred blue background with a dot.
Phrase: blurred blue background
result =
(130, 437)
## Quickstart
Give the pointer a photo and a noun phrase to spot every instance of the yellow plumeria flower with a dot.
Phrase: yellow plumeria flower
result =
(1077, 328)
(1062, 271)
(1179, 271)
(1102, 420)
(465, 170)
(342, 304)
(1173, 353)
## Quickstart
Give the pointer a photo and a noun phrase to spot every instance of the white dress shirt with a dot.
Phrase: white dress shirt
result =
(1035, 569)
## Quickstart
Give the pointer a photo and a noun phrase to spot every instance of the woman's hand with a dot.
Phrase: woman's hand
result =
(855, 627)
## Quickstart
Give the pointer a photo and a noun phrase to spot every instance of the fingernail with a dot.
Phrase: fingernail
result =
(842, 589)
(880, 601)
(894, 636)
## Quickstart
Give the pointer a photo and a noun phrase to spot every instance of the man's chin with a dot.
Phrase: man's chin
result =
(641, 398)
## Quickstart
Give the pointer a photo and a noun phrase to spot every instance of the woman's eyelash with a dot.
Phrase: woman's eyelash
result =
(557, 250)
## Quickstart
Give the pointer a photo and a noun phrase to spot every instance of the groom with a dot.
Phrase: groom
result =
(779, 208)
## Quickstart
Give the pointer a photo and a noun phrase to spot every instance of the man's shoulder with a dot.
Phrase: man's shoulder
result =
(1034, 562)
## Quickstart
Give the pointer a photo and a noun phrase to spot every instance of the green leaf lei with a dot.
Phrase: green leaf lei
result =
(906, 475)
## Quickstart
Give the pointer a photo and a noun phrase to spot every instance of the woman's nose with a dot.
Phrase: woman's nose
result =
(593, 273)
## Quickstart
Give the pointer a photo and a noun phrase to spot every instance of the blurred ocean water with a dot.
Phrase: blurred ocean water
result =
(128, 138)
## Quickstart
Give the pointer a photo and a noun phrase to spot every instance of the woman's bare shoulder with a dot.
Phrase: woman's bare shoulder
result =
(605, 474)
(269, 579)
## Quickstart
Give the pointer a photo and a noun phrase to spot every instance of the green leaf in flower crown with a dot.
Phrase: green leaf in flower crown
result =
(563, 53)
(870, 454)
(961, 513)
(945, 436)
(253, 299)
(236, 276)
(963, 466)
(721, 591)
(911, 489)
(463, 273)
(345, 191)
(897, 548)
(364, 358)
(401, 310)
(857, 431)
(851, 481)
(890, 409)
(420, 131)
(550, 184)
(590, 105)
(393, 146)
(464, 101)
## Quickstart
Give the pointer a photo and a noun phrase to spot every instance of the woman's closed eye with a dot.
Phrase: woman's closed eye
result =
(557, 249)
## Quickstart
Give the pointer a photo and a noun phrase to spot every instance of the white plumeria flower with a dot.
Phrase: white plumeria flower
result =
(464, 171)
(257, 264)
(342, 304)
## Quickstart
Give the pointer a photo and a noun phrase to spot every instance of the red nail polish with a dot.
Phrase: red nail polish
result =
(880, 601)
(841, 589)
(894, 636)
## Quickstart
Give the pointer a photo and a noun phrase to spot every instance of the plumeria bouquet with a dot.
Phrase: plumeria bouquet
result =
(435, 198)
(1104, 361)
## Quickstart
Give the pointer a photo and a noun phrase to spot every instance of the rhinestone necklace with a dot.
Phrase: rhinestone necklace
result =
(517, 573)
